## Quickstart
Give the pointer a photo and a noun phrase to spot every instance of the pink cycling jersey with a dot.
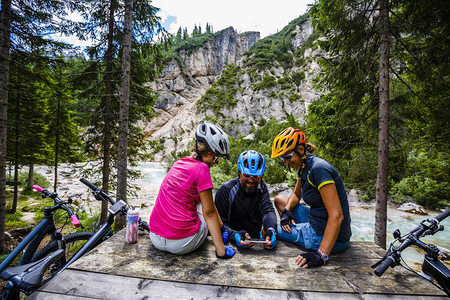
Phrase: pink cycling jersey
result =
(175, 213)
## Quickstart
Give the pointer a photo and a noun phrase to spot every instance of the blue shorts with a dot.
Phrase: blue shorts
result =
(303, 234)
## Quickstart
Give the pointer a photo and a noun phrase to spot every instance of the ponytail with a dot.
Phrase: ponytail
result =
(310, 148)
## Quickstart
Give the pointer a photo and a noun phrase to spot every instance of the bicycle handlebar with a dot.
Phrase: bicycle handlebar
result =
(391, 259)
(443, 215)
(73, 217)
(38, 188)
(142, 224)
(90, 185)
(385, 264)
(98, 190)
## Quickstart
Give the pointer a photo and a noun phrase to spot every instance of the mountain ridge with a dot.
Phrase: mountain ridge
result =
(235, 80)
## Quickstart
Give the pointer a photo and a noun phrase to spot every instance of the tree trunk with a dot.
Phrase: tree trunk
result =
(123, 118)
(107, 112)
(30, 177)
(16, 184)
(57, 137)
(16, 158)
(5, 32)
(383, 125)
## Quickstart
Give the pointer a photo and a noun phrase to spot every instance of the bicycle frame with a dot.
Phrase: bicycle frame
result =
(47, 225)
(33, 240)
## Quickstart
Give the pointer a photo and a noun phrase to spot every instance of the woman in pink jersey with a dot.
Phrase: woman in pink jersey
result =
(184, 209)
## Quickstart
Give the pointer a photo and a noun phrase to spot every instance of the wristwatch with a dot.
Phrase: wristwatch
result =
(323, 255)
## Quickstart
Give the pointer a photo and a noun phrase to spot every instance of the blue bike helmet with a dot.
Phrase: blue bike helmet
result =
(251, 163)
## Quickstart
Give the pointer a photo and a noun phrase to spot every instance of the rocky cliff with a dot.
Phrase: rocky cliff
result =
(185, 81)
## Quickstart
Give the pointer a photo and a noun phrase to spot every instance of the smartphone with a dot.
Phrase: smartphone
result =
(256, 241)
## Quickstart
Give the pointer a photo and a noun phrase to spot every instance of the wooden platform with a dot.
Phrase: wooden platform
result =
(116, 270)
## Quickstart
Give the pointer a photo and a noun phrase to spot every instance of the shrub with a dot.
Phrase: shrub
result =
(423, 190)
(23, 180)
(298, 77)
(267, 82)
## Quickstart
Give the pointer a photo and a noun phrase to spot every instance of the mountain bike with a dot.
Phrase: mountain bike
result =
(29, 277)
(105, 230)
(432, 268)
(36, 266)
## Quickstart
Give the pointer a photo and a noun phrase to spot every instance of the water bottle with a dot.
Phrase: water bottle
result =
(132, 225)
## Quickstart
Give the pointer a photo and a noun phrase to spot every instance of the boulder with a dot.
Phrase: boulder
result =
(413, 208)
(279, 189)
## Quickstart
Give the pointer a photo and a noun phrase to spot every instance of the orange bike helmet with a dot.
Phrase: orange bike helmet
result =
(287, 140)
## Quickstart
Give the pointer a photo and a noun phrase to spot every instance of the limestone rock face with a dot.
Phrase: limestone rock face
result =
(179, 89)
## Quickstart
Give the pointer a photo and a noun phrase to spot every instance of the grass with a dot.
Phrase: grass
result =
(13, 221)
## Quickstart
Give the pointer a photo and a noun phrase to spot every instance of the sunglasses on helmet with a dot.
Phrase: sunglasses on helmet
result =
(287, 156)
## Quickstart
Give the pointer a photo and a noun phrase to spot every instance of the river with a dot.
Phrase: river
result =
(363, 217)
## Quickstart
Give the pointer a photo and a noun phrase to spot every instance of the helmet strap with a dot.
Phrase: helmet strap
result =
(289, 168)
(302, 157)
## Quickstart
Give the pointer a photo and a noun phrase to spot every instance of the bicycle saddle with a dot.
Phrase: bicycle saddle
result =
(29, 276)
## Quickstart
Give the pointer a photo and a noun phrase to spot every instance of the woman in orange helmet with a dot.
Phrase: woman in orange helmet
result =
(324, 226)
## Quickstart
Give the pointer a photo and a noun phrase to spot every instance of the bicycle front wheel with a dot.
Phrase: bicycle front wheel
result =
(74, 241)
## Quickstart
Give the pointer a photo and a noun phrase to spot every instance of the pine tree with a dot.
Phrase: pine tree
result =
(367, 47)
(27, 108)
(5, 33)
(103, 86)
(357, 76)
(124, 111)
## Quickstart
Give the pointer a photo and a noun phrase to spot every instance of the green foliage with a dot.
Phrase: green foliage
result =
(275, 49)
(423, 41)
(295, 97)
(266, 83)
(223, 92)
(344, 120)
(26, 139)
(192, 43)
(23, 180)
(219, 177)
(298, 77)
(14, 221)
(425, 191)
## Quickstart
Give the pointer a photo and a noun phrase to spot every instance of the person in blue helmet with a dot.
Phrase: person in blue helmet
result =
(244, 204)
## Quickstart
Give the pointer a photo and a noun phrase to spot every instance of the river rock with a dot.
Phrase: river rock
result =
(413, 208)
(279, 189)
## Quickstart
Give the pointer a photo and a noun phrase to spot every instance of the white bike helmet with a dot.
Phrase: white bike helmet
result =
(214, 138)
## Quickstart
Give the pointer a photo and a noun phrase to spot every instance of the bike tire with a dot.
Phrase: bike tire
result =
(74, 241)
(70, 239)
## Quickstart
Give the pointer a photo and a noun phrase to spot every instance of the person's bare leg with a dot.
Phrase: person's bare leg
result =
(280, 203)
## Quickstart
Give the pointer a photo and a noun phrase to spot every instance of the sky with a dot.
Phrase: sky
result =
(266, 16)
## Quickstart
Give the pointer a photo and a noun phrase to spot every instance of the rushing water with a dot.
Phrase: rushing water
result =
(363, 218)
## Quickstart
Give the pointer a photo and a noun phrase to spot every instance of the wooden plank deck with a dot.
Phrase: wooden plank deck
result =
(116, 270)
